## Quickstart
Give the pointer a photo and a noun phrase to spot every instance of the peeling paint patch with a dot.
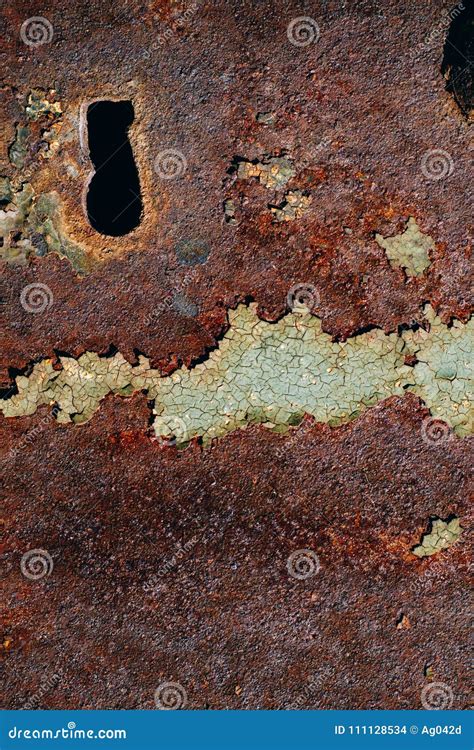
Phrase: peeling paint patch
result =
(273, 173)
(409, 250)
(18, 150)
(294, 205)
(229, 212)
(38, 106)
(266, 118)
(443, 376)
(78, 388)
(32, 225)
(268, 373)
(38, 134)
(442, 534)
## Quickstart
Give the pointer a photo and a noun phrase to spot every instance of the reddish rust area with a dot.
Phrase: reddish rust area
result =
(112, 508)
(355, 113)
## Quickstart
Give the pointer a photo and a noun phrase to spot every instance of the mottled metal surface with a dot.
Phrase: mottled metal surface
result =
(358, 112)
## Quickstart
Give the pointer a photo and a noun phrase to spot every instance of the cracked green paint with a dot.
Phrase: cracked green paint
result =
(32, 225)
(443, 376)
(38, 106)
(441, 535)
(79, 386)
(268, 373)
(409, 250)
(273, 173)
(294, 205)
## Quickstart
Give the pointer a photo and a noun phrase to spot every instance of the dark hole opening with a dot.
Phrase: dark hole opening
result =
(114, 203)
(458, 58)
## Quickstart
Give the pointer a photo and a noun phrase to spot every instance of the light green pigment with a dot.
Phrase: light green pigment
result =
(408, 250)
(269, 373)
(442, 534)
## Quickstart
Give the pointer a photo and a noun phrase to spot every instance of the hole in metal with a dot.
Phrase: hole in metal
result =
(114, 203)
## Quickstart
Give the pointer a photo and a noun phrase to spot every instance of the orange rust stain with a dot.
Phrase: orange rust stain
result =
(126, 438)
(6, 644)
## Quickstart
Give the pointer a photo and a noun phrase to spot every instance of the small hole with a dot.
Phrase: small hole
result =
(114, 203)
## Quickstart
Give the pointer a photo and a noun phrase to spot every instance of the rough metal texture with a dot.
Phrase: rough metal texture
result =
(357, 114)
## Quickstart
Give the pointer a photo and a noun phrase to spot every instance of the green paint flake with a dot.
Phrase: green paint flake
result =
(39, 107)
(268, 373)
(32, 225)
(444, 374)
(78, 388)
(408, 250)
(266, 118)
(229, 212)
(15, 244)
(442, 534)
(19, 149)
(273, 173)
(6, 193)
(294, 205)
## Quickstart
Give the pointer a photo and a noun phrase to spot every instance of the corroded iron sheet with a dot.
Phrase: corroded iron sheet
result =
(236, 440)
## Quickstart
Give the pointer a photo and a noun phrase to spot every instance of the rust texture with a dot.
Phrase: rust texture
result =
(172, 565)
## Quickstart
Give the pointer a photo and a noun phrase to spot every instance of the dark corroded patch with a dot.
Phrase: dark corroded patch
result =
(119, 615)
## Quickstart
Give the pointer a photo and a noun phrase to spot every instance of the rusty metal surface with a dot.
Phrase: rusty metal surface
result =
(356, 112)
